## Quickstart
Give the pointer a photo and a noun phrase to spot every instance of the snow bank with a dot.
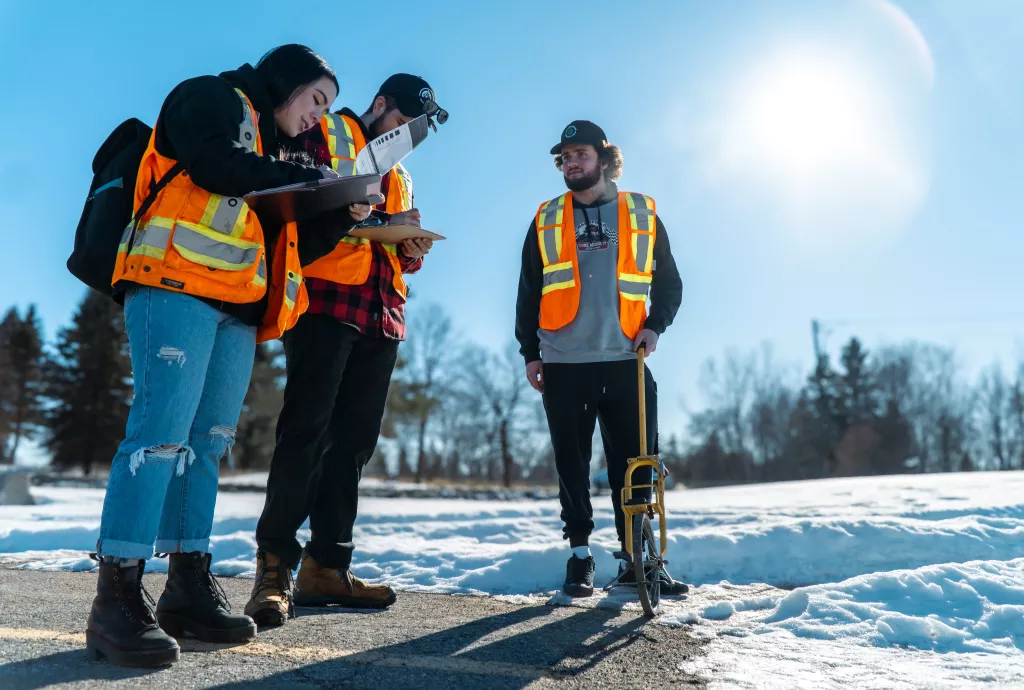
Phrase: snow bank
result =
(786, 534)
(969, 607)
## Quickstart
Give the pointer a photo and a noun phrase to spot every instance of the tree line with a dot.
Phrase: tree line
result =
(460, 412)
(901, 409)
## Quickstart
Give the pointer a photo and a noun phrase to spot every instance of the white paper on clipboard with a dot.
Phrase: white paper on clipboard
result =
(385, 152)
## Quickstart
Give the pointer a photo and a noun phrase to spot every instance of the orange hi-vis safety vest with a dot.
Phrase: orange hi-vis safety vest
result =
(209, 245)
(556, 234)
(349, 263)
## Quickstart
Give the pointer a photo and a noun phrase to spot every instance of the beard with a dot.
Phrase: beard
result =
(587, 181)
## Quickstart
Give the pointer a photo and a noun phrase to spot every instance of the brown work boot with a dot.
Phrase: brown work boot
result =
(271, 599)
(317, 586)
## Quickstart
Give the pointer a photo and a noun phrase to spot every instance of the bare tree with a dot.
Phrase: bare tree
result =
(498, 385)
(995, 416)
(728, 388)
(429, 354)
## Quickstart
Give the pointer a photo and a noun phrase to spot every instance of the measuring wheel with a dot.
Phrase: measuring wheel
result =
(646, 564)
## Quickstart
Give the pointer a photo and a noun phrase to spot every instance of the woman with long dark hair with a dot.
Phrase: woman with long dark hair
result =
(203, 282)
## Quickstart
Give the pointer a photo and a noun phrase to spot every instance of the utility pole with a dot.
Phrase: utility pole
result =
(816, 335)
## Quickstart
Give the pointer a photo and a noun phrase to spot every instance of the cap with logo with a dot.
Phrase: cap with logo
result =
(581, 132)
(413, 96)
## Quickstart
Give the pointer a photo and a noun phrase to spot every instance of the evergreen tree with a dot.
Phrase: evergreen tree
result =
(89, 386)
(857, 389)
(21, 367)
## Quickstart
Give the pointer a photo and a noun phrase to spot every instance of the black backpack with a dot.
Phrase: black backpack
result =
(108, 208)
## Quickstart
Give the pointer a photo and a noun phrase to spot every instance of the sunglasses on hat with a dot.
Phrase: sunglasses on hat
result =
(432, 109)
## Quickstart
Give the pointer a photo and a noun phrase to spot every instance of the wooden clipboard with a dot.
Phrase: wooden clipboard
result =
(393, 234)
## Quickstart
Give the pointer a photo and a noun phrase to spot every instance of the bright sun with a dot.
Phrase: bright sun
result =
(804, 116)
(823, 130)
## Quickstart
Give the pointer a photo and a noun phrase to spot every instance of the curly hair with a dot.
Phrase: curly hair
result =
(606, 153)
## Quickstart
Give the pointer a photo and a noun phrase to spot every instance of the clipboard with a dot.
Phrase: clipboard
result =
(298, 202)
(394, 234)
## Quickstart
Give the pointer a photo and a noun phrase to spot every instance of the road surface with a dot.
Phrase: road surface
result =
(423, 641)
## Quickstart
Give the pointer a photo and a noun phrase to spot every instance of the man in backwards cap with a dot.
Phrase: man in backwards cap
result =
(340, 356)
(592, 258)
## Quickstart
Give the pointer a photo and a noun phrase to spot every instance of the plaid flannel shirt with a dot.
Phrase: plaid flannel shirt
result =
(375, 308)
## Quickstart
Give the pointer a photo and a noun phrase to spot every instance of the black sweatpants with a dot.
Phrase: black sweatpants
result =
(576, 396)
(328, 429)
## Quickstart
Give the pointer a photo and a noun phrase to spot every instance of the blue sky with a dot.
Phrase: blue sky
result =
(856, 161)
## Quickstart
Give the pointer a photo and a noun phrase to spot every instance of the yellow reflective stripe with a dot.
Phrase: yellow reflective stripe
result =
(551, 214)
(339, 143)
(151, 239)
(260, 279)
(549, 249)
(226, 214)
(391, 249)
(558, 267)
(210, 248)
(405, 184)
(558, 276)
(147, 250)
(641, 210)
(642, 253)
(557, 286)
(634, 287)
(355, 240)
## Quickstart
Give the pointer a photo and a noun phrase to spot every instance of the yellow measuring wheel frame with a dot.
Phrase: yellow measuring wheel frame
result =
(646, 556)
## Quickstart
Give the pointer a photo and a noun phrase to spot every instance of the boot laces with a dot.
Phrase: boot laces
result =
(274, 577)
(136, 602)
(210, 583)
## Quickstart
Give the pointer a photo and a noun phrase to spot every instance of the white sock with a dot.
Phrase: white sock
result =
(581, 552)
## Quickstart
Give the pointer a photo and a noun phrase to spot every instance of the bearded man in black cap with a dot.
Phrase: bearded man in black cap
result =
(592, 259)
(340, 358)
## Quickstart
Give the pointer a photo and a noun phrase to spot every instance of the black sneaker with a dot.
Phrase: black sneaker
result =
(579, 577)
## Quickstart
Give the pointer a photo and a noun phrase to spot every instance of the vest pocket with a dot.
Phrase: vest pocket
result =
(352, 265)
(198, 249)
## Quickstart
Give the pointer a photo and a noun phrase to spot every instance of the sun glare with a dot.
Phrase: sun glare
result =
(805, 116)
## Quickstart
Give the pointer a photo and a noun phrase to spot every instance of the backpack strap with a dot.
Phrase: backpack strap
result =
(154, 190)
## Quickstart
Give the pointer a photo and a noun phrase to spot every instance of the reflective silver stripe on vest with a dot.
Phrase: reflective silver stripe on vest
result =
(638, 287)
(344, 145)
(642, 252)
(261, 270)
(640, 214)
(246, 130)
(152, 235)
(549, 216)
(229, 210)
(291, 290)
(223, 213)
(238, 258)
(554, 279)
(550, 246)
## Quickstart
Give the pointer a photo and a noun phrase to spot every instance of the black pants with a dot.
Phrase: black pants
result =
(328, 429)
(575, 397)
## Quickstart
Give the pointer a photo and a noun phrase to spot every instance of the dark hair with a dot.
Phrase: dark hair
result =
(287, 68)
(389, 103)
(607, 153)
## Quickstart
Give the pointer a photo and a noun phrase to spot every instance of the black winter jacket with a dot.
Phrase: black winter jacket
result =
(198, 127)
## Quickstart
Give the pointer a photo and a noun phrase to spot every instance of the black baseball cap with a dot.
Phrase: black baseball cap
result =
(413, 96)
(581, 132)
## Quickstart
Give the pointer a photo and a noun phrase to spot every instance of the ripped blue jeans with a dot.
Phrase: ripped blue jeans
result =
(191, 364)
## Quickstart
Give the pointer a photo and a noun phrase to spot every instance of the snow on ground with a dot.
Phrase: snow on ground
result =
(870, 582)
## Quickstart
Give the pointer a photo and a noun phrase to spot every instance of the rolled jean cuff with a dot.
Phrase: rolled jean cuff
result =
(112, 548)
(182, 545)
